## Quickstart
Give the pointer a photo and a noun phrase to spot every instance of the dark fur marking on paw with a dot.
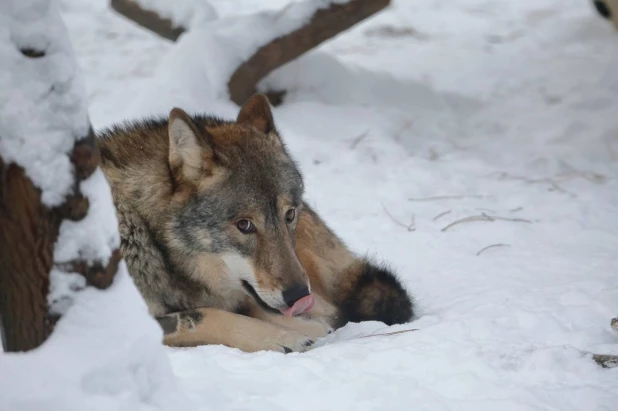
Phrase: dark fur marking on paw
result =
(168, 323)
(377, 296)
(286, 350)
(189, 319)
(195, 316)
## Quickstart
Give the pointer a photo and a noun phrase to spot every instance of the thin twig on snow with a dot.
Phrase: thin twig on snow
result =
(485, 217)
(410, 227)
(448, 197)
(442, 214)
(391, 333)
(356, 140)
(492, 246)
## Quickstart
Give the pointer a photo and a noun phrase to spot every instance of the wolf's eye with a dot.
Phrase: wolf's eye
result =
(245, 226)
(290, 215)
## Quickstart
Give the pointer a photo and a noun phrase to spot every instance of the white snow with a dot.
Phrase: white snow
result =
(26, 115)
(431, 111)
(91, 239)
(105, 352)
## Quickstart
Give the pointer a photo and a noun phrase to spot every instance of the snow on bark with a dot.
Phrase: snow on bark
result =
(42, 105)
(183, 13)
(44, 129)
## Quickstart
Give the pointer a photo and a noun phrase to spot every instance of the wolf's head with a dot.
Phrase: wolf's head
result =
(244, 197)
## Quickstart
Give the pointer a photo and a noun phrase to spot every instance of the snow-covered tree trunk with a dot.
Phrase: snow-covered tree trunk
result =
(58, 231)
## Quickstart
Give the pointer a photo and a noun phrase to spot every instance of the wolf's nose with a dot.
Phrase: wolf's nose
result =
(293, 294)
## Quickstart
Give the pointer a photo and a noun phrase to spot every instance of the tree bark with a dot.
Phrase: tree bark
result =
(147, 19)
(28, 233)
(324, 24)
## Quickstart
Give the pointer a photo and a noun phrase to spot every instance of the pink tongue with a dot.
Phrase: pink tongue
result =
(300, 306)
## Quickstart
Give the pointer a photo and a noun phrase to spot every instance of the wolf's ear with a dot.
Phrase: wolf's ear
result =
(256, 112)
(187, 154)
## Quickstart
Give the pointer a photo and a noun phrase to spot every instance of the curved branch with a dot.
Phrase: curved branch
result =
(324, 24)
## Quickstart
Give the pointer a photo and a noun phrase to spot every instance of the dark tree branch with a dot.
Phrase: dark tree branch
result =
(147, 19)
(325, 24)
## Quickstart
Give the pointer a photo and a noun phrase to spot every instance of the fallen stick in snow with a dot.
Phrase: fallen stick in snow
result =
(391, 333)
(451, 197)
(148, 19)
(356, 140)
(491, 246)
(410, 227)
(485, 217)
(442, 214)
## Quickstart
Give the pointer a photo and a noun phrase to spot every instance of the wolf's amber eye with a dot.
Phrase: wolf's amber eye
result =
(290, 215)
(245, 226)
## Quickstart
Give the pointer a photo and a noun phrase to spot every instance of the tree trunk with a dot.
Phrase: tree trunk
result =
(28, 228)
(27, 234)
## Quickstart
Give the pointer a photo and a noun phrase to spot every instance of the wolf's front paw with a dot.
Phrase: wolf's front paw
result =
(290, 341)
(314, 328)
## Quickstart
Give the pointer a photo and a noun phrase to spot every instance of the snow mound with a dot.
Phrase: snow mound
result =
(104, 354)
(42, 107)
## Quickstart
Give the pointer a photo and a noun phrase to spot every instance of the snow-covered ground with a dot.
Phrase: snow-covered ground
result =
(430, 112)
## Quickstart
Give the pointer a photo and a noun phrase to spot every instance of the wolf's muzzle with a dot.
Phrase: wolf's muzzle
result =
(298, 299)
(293, 294)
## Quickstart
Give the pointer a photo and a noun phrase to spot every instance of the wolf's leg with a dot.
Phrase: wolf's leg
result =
(205, 326)
(361, 290)
(309, 324)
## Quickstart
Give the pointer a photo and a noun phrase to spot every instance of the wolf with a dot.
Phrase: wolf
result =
(220, 242)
